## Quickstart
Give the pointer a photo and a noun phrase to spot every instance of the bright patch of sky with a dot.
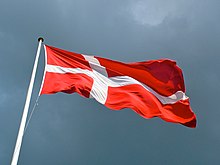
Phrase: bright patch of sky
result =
(154, 12)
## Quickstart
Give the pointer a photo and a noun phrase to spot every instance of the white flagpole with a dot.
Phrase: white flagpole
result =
(26, 107)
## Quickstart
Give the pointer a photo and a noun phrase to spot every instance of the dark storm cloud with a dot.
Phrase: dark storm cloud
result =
(68, 129)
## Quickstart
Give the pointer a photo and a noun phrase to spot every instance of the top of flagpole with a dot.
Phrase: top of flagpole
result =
(40, 38)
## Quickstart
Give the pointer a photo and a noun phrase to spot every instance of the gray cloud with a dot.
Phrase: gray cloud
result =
(69, 129)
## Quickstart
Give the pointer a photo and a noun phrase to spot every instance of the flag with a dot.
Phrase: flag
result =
(152, 88)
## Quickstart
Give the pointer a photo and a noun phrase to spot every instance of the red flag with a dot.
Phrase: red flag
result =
(151, 88)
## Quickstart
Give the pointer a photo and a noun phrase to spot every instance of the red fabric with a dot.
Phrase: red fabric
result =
(148, 106)
(56, 56)
(163, 76)
(67, 83)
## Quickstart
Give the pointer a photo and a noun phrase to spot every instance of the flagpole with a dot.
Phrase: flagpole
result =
(26, 107)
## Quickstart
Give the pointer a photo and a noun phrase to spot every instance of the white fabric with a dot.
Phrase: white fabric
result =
(96, 92)
(102, 82)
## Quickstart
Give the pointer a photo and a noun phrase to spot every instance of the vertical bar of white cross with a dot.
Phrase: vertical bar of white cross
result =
(26, 107)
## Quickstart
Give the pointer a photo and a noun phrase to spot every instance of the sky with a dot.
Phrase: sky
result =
(68, 129)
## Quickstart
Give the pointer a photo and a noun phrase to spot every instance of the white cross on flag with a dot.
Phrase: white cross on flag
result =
(151, 88)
